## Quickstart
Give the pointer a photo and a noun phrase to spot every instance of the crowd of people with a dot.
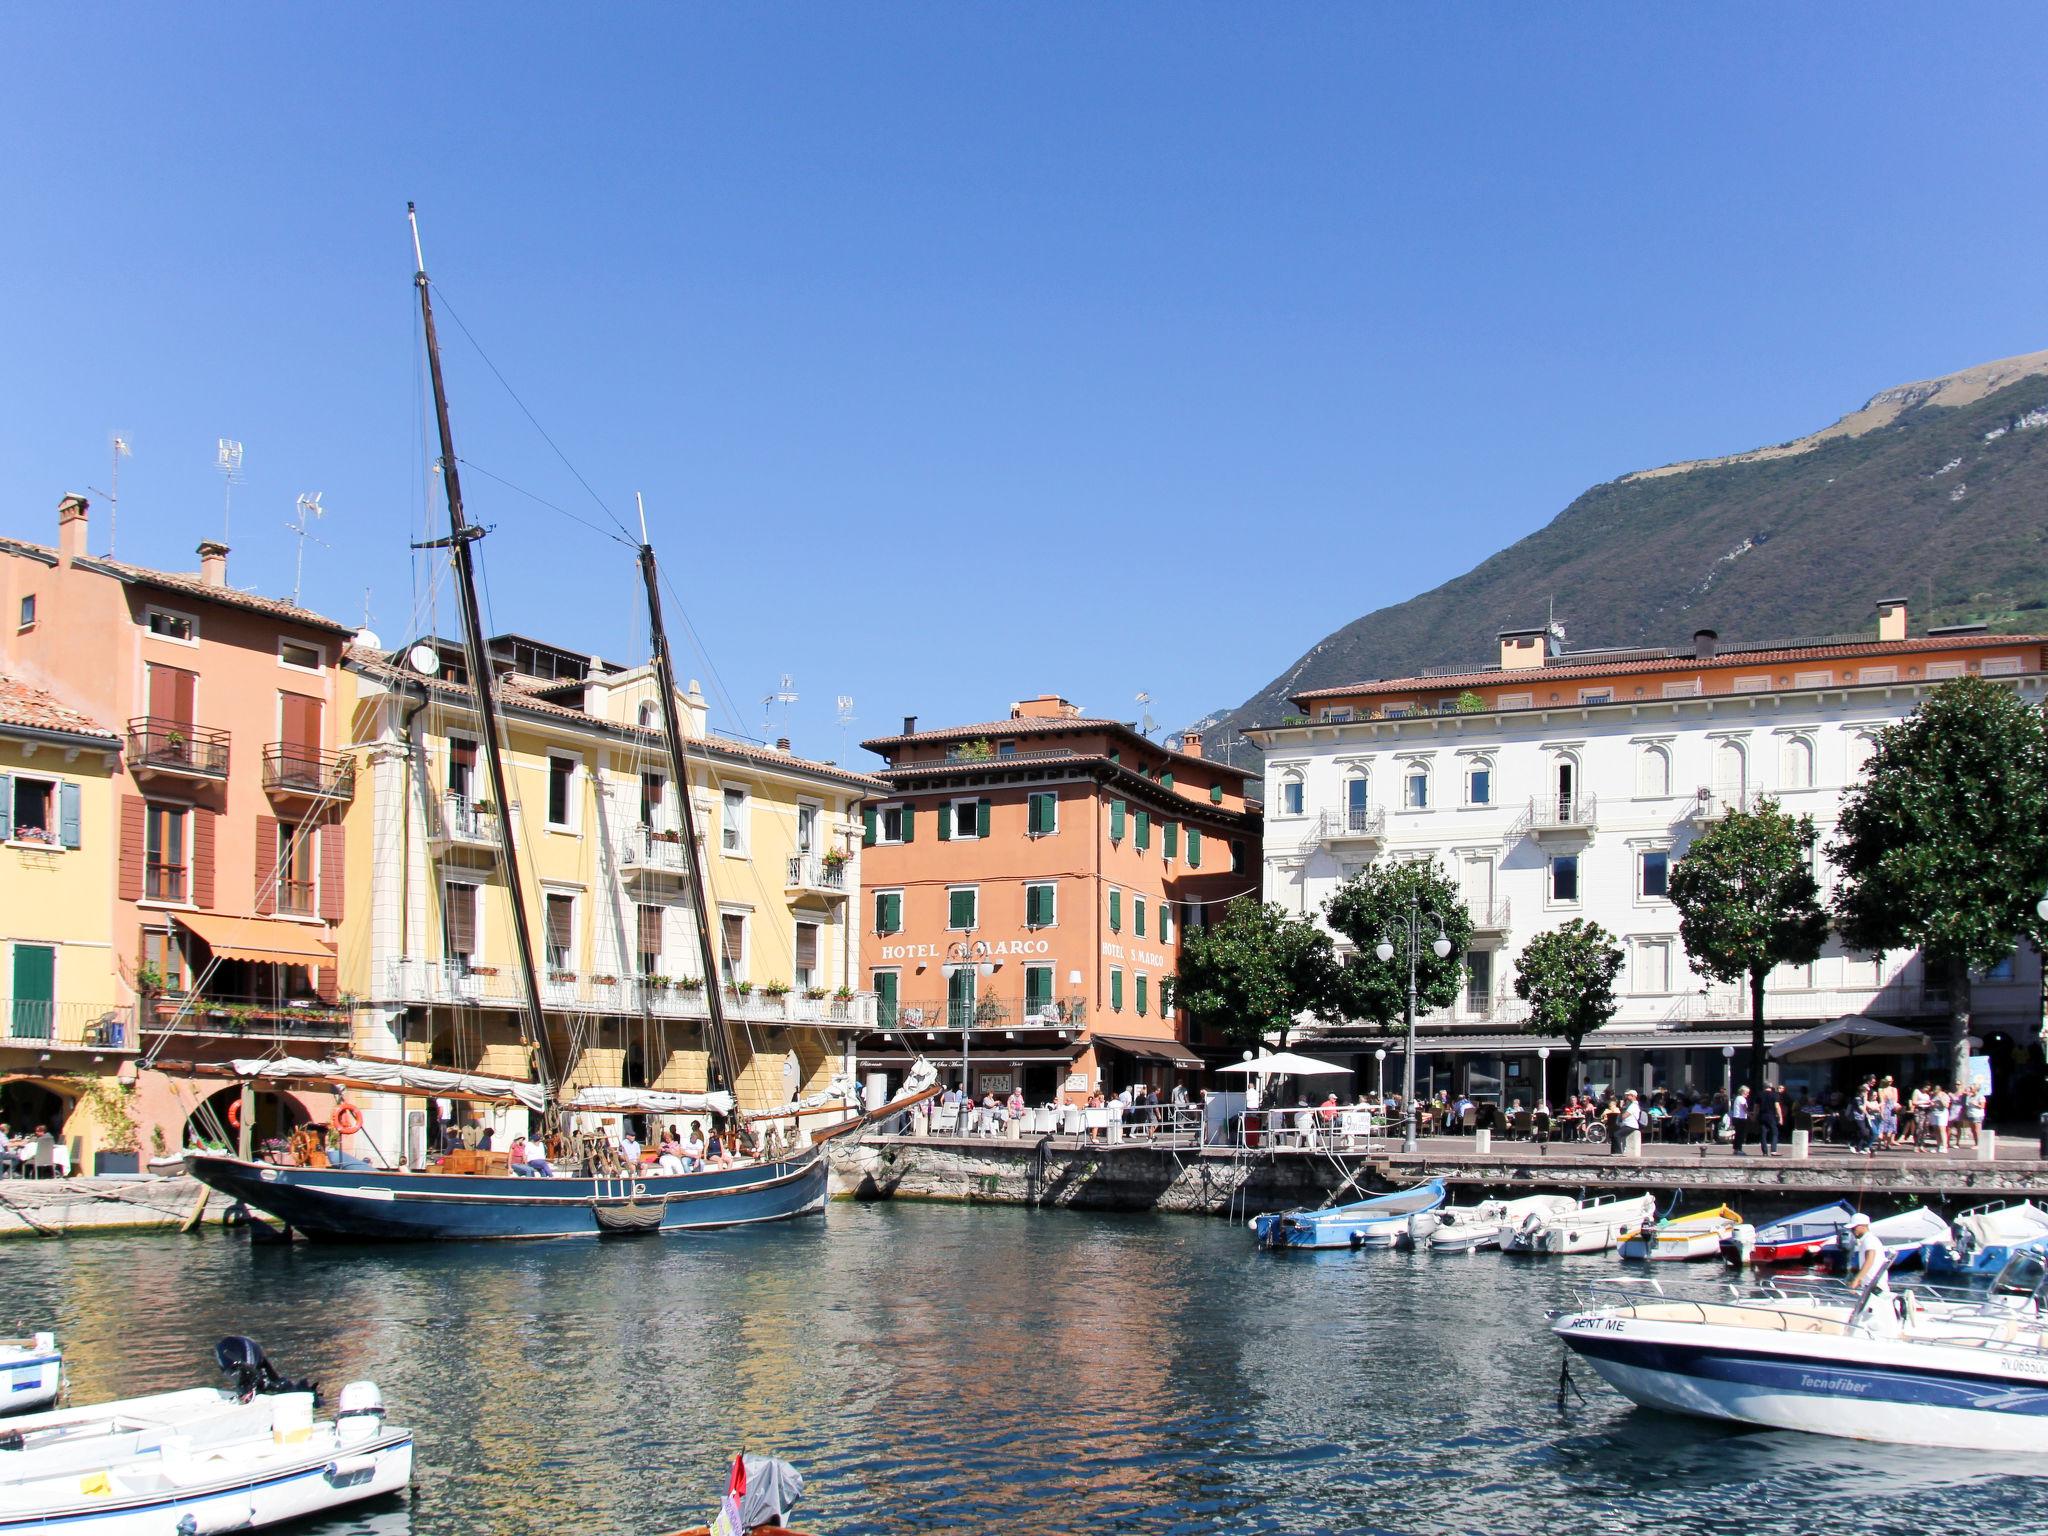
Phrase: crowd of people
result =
(1138, 1106)
(18, 1154)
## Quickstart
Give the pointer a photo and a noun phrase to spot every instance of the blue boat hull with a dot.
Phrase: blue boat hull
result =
(1377, 1222)
(374, 1206)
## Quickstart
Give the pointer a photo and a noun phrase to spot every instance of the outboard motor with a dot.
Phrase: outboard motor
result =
(249, 1371)
(361, 1414)
(1742, 1242)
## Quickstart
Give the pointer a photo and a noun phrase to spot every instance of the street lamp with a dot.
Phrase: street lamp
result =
(1728, 1072)
(973, 952)
(1543, 1088)
(1411, 930)
(1380, 1056)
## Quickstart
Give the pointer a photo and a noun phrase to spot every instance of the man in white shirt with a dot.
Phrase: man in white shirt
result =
(693, 1148)
(1629, 1122)
(629, 1150)
(1872, 1262)
(1738, 1117)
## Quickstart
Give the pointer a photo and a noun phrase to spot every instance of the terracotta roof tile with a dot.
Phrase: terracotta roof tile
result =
(1043, 726)
(37, 709)
(189, 585)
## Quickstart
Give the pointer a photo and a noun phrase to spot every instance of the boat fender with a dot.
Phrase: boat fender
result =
(348, 1471)
(1358, 1240)
(347, 1118)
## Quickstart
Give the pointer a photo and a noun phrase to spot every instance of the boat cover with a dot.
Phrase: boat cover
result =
(648, 1101)
(773, 1487)
(345, 1070)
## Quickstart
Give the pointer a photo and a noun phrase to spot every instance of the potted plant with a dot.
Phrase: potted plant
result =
(837, 859)
(667, 835)
(743, 988)
(843, 995)
(689, 983)
(120, 1138)
(814, 994)
(777, 989)
(561, 977)
(605, 981)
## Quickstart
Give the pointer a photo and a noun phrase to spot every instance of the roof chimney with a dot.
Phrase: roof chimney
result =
(1891, 618)
(1704, 643)
(910, 725)
(71, 528)
(782, 743)
(1047, 706)
(1521, 648)
(1191, 743)
(213, 562)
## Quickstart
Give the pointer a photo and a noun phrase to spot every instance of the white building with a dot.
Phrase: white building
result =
(1556, 785)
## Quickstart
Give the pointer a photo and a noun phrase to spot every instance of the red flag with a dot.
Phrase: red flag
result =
(738, 1486)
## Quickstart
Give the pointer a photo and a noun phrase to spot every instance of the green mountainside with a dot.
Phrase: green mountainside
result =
(1935, 491)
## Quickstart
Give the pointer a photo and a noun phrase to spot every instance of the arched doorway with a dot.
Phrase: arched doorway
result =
(27, 1102)
(277, 1115)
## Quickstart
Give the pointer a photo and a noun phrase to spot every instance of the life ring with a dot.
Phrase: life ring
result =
(235, 1113)
(347, 1119)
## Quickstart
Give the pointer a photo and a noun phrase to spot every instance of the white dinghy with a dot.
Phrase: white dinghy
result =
(1594, 1226)
(1469, 1228)
(31, 1372)
(202, 1460)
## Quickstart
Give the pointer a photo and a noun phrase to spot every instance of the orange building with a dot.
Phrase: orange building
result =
(1025, 886)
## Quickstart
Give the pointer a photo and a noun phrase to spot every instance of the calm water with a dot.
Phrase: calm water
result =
(933, 1369)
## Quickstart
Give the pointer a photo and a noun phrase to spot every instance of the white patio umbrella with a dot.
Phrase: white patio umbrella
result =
(1288, 1063)
(1845, 1036)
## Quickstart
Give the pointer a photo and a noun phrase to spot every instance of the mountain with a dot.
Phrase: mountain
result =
(1935, 491)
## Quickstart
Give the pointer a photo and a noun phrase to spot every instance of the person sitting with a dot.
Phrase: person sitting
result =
(629, 1149)
(693, 1149)
(717, 1153)
(1014, 1105)
(516, 1159)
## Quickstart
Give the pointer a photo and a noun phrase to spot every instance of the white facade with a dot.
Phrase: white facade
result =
(1578, 811)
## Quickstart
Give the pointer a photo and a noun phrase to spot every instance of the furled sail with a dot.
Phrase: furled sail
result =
(648, 1101)
(354, 1072)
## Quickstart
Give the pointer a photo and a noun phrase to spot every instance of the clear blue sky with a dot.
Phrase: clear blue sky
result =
(965, 351)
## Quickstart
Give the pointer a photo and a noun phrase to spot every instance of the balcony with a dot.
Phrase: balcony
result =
(220, 1016)
(29, 1023)
(1490, 918)
(1718, 804)
(465, 825)
(1559, 817)
(1362, 828)
(457, 983)
(817, 875)
(165, 882)
(295, 898)
(646, 851)
(306, 773)
(161, 748)
(986, 1013)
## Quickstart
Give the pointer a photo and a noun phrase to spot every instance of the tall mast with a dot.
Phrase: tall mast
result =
(700, 891)
(460, 536)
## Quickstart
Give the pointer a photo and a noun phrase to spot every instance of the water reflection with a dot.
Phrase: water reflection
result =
(945, 1370)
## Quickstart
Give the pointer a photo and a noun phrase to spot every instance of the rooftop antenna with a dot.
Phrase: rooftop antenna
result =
(785, 695)
(844, 704)
(227, 458)
(1146, 724)
(119, 450)
(309, 506)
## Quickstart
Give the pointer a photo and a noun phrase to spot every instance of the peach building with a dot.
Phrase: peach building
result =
(226, 846)
(1026, 885)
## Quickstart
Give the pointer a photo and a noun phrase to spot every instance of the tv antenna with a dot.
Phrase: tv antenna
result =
(227, 458)
(118, 449)
(309, 506)
(785, 695)
(844, 704)
(1146, 724)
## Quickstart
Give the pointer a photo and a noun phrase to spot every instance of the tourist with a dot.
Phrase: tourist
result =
(1626, 1122)
(1014, 1105)
(1770, 1118)
(1939, 1110)
(1888, 1114)
(1869, 1117)
(693, 1148)
(1921, 1107)
(629, 1149)
(1738, 1117)
(1972, 1101)
(671, 1159)
(1873, 1264)
(521, 1158)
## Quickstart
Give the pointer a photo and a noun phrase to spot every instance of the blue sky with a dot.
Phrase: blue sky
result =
(962, 351)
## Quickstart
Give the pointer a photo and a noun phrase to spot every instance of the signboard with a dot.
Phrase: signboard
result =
(1077, 1082)
(999, 1083)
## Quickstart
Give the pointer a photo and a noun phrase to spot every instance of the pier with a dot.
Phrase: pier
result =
(73, 1207)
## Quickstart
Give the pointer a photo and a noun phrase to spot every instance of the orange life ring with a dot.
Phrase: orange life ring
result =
(235, 1113)
(347, 1119)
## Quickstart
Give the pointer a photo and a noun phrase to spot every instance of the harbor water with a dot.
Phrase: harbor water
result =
(950, 1369)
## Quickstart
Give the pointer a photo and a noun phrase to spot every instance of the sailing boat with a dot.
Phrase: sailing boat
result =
(358, 1203)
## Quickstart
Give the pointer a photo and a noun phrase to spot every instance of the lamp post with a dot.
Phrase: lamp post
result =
(1380, 1056)
(1440, 946)
(1728, 1072)
(1543, 1088)
(972, 952)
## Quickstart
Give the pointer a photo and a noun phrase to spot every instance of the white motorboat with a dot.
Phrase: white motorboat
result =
(31, 1372)
(1867, 1365)
(1696, 1235)
(1986, 1236)
(1378, 1222)
(1469, 1228)
(1593, 1226)
(201, 1460)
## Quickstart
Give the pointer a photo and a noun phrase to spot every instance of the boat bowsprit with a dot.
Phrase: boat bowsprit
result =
(1379, 1222)
(1696, 1235)
(1804, 1238)
(201, 1460)
(31, 1372)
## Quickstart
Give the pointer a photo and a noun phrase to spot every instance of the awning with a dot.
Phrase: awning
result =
(267, 940)
(1171, 1052)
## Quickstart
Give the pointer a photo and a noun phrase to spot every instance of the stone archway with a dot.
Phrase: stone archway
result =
(276, 1116)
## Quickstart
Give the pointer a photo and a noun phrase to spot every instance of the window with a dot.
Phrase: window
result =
(896, 825)
(1337, 714)
(1166, 922)
(561, 775)
(1812, 679)
(1169, 839)
(28, 612)
(1042, 814)
(1479, 782)
(1877, 674)
(458, 925)
(807, 829)
(163, 852)
(1656, 874)
(1357, 802)
(166, 625)
(1194, 847)
(1040, 910)
(732, 824)
(161, 954)
(1795, 763)
(34, 817)
(295, 889)
(1143, 982)
(1689, 689)
(1596, 695)
(1137, 916)
(1038, 1001)
(1236, 857)
(461, 767)
(561, 930)
(1860, 748)
(1144, 838)
(1758, 682)
(804, 972)
(296, 653)
(888, 912)
(1116, 910)
(966, 818)
(1946, 669)
(963, 906)
(888, 994)
(1479, 981)
(732, 945)
(652, 788)
(1116, 989)
(1415, 788)
(1653, 965)
(960, 997)
(1293, 795)
(1653, 773)
(649, 939)
(1564, 878)
(2001, 666)
(1515, 701)
(1731, 771)
(2000, 971)
(1215, 794)
(1006, 749)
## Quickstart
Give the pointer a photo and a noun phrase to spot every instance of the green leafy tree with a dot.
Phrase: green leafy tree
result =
(1944, 845)
(1748, 902)
(1566, 976)
(1252, 974)
(1373, 905)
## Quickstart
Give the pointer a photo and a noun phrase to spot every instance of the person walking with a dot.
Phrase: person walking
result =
(1739, 1116)
(1770, 1119)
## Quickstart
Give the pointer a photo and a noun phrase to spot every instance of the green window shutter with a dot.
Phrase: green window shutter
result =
(960, 909)
(945, 821)
(1040, 905)
(867, 827)
(1169, 838)
(885, 998)
(6, 807)
(1166, 779)
(1165, 937)
(1116, 911)
(981, 818)
(1116, 821)
(909, 824)
(1215, 794)
(889, 912)
(1043, 815)
(1194, 847)
(1141, 996)
(1116, 991)
(1137, 917)
(1144, 830)
(1037, 989)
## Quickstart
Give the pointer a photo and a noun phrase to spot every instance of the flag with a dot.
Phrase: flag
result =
(729, 1522)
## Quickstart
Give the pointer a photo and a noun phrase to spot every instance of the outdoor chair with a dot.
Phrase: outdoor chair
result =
(1469, 1120)
(1696, 1126)
(39, 1158)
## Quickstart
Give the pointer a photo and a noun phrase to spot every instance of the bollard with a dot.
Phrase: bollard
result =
(921, 1121)
(1014, 1130)
(1987, 1145)
(1802, 1143)
(1482, 1142)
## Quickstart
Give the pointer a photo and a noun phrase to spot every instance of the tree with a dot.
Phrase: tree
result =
(1373, 905)
(1748, 902)
(1252, 974)
(1566, 976)
(1944, 845)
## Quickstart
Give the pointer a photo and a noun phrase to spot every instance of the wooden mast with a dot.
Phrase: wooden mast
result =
(700, 890)
(461, 534)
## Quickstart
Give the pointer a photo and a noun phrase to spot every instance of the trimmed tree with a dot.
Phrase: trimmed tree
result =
(1373, 905)
(1253, 973)
(1748, 902)
(1943, 847)
(1566, 976)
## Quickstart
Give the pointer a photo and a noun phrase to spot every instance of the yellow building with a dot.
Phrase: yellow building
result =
(65, 1036)
(429, 948)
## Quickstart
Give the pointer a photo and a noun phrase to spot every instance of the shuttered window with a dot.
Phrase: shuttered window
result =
(1166, 779)
(867, 827)
(1037, 990)
(981, 812)
(732, 933)
(1144, 838)
(561, 930)
(1215, 794)
(458, 921)
(1043, 818)
(1116, 911)
(1194, 847)
(650, 941)
(962, 906)
(1116, 990)
(1137, 917)
(1142, 981)
(1165, 933)
(1038, 906)
(1169, 839)
(1116, 821)
(887, 984)
(888, 912)
(806, 955)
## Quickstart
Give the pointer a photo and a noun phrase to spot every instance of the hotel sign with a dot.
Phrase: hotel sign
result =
(1141, 956)
(994, 949)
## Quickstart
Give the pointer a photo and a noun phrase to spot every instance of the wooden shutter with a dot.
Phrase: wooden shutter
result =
(172, 692)
(1116, 991)
(458, 918)
(1144, 831)
(300, 719)
(867, 827)
(960, 911)
(6, 807)
(1137, 917)
(650, 932)
(733, 935)
(1194, 847)
(1116, 821)
(202, 856)
(561, 925)
(327, 984)
(1166, 779)
(129, 869)
(267, 872)
(1215, 794)
(1116, 911)
(910, 824)
(945, 821)
(806, 946)
(981, 818)
(333, 887)
(1141, 996)
(894, 901)
(68, 816)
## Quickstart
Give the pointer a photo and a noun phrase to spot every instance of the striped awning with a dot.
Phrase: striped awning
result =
(266, 940)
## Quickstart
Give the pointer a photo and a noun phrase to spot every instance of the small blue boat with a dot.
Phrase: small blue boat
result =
(1988, 1235)
(1799, 1239)
(1379, 1222)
